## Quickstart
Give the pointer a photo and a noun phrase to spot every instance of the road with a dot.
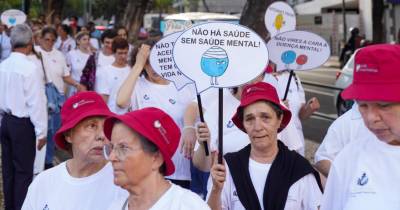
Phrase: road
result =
(316, 127)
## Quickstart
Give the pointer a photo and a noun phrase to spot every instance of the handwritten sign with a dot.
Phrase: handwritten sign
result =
(219, 54)
(280, 18)
(161, 60)
(298, 50)
(13, 17)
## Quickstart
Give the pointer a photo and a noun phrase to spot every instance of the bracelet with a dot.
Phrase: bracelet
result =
(187, 127)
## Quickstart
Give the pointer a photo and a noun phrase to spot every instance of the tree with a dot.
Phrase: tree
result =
(253, 16)
(377, 21)
(53, 8)
(133, 16)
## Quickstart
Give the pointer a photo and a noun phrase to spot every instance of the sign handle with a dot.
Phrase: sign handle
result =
(220, 124)
(202, 120)
(288, 84)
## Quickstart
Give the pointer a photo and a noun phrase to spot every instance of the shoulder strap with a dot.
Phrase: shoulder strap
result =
(43, 68)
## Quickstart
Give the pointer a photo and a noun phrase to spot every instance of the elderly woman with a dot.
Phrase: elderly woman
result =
(365, 174)
(142, 145)
(57, 71)
(264, 174)
(85, 181)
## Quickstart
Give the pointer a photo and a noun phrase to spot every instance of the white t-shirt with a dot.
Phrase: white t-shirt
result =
(175, 198)
(364, 176)
(234, 139)
(108, 81)
(174, 103)
(76, 60)
(344, 129)
(56, 67)
(104, 60)
(296, 97)
(303, 194)
(66, 45)
(55, 189)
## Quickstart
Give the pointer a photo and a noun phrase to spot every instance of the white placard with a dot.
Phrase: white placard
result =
(13, 17)
(161, 60)
(280, 18)
(298, 50)
(220, 54)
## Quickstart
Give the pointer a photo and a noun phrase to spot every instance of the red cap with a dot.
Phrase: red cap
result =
(154, 124)
(376, 74)
(260, 91)
(78, 107)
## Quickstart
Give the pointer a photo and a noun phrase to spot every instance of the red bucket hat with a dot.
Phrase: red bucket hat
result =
(154, 124)
(260, 91)
(76, 108)
(376, 74)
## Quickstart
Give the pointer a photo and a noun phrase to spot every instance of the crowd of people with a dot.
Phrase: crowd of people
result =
(136, 142)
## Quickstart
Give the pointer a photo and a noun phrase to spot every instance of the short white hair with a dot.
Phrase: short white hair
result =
(21, 36)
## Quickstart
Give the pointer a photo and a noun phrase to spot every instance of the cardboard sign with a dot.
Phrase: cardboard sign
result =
(219, 54)
(280, 18)
(298, 50)
(162, 61)
(13, 17)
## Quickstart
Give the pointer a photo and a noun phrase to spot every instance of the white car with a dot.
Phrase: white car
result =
(343, 79)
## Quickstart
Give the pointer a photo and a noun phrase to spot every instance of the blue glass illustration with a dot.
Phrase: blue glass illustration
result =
(214, 63)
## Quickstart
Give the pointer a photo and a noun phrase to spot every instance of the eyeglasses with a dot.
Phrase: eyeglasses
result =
(49, 40)
(121, 151)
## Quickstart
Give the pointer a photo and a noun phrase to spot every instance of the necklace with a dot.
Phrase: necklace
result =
(125, 204)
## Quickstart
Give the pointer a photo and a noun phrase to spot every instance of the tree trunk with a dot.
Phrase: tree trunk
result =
(206, 6)
(253, 16)
(53, 8)
(377, 21)
(133, 16)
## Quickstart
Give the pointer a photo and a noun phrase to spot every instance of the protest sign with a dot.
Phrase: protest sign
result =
(13, 17)
(279, 18)
(162, 62)
(298, 50)
(220, 54)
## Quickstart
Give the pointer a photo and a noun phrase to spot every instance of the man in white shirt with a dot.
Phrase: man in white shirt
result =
(106, 56)
(110, 78)
(23, 104)
(5, 45)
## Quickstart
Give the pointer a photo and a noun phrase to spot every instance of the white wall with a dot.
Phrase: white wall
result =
(365, 7)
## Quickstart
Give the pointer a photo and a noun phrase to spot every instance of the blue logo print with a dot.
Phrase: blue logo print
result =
(46, 207)
(146, 97)
(363, 180)
(230, 124)
(214, 63)
(172, 101)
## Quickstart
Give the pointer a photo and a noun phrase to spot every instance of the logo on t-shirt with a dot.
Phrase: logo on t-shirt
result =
(146, 97)
(363, 180)
(46, 207)
(235, 193)
(230, 124)
(172, 101)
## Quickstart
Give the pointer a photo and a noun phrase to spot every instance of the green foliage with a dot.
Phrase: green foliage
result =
(9, 4)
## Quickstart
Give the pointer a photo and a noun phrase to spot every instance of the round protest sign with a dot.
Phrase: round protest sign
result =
(13, 17)
(298, 50)
(161, 60)
(220, 54)
(280, 18)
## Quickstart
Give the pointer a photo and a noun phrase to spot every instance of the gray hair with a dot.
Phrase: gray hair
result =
(21, 36)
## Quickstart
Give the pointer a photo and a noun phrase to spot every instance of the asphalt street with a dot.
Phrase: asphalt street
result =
(316, 127)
